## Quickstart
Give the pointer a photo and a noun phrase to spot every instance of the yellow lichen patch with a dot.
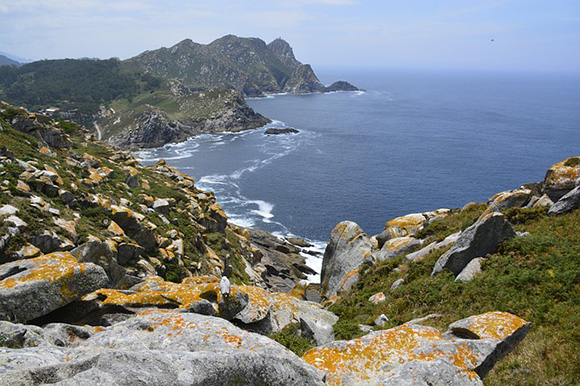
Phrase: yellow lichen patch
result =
(201, 279)
(259, 300)
(69, 226)
(397, 243)
(155, 292)
(497, 324)
(405, 225)
(346, 278)
(378, 298)
(57, 267)
(23, 186)
(45, 151)
(299, 289)
(29, 251)
(115, 229)
(330, 301)
(366, 358)
(560, 176)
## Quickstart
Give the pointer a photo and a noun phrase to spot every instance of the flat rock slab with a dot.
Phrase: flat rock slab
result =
(34, 287)
(160, 348)
(413, 354)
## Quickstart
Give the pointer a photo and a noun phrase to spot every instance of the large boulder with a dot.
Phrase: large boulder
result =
(410, 224)
(509, 199)
(157, 348)
(478, 240)
(414, 354)
(34, 287)
(396, 247)
(567, 203)
(249, 306)
(348, 248)
(562, 177)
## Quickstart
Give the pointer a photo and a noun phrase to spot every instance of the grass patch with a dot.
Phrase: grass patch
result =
(290, 338)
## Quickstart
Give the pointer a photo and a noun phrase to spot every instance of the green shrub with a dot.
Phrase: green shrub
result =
(524, 215)
(573, 161)
(290, 338)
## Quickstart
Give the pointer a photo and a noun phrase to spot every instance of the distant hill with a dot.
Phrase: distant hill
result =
(247, 65)
(6, 61)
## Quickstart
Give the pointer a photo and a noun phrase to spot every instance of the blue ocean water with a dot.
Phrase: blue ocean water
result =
(414, 141)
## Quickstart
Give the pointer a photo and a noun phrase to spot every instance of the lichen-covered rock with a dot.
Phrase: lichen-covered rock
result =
(410, 224)
(478, 240)
(34, 287)
(562, 177)
(396, 247)
(159, 348)
(509, 199)
(423, 252)
(378, 298)
(508, 329)
(348, 248)
(471, 269)
(567, 203)
(411, 354)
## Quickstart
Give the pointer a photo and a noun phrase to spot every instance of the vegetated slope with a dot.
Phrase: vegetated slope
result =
(247, 65)
(71, 192)
(535, 277)
(79, 87)
(6, 61)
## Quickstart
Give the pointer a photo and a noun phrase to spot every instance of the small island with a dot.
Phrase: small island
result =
(285, 130)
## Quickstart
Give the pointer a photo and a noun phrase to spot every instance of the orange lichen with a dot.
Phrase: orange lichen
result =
(366, 357)
(497, 325)
(405, 225)
(58, 267)
(560, 176)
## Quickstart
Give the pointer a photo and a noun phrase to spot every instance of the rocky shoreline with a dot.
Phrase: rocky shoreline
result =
(110, 275)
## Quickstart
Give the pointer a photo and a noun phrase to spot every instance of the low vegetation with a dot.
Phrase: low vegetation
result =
(535, 277)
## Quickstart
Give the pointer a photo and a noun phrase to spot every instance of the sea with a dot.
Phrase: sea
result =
(413, 141)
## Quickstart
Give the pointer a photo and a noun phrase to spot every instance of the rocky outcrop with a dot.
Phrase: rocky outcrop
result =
(286, 130)
(414, 354)
(156, 127)
(509, 199)
(561, 178)
(259, 68)
(341, 85)
(478, 240)
(278, 262)
(34, 287)
(249, 306)
(567, 203)
(347, 249)
(155, 347)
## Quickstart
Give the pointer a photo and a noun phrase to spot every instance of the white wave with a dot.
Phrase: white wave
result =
(242, 221)
(264, 208)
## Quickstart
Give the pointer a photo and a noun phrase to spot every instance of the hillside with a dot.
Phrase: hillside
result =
(247, 65)
(6, 61)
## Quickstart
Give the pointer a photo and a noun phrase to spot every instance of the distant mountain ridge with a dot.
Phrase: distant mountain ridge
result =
(247, 65)
(6, 61)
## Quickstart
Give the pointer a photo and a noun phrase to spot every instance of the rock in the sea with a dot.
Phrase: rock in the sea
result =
(478, 240)
(158, 348)
(567, 203)
(562, 177)
(348, 248)
(341, 85)
(413, 354)
(286, 130)
(34, 287)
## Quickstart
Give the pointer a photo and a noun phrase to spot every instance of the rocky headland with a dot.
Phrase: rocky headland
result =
(110, 274)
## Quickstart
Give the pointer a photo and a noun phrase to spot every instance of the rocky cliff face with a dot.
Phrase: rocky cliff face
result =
(213, 111)
(247, 65)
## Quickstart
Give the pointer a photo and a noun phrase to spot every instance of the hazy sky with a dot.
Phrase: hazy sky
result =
(527, 34)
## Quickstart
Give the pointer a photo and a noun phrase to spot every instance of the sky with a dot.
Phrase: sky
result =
(521, 35)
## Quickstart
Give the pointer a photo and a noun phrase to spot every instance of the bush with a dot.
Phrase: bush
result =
(291, 338)
(573, 161)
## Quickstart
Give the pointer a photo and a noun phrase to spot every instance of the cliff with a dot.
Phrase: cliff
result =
(247, 65)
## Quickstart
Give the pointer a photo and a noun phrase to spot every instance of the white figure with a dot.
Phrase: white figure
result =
(225, 286)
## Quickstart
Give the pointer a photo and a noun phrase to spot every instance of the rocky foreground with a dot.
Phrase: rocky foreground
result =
(110, 275)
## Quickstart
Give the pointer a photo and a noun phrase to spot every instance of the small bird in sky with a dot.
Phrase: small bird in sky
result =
(492, 40)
